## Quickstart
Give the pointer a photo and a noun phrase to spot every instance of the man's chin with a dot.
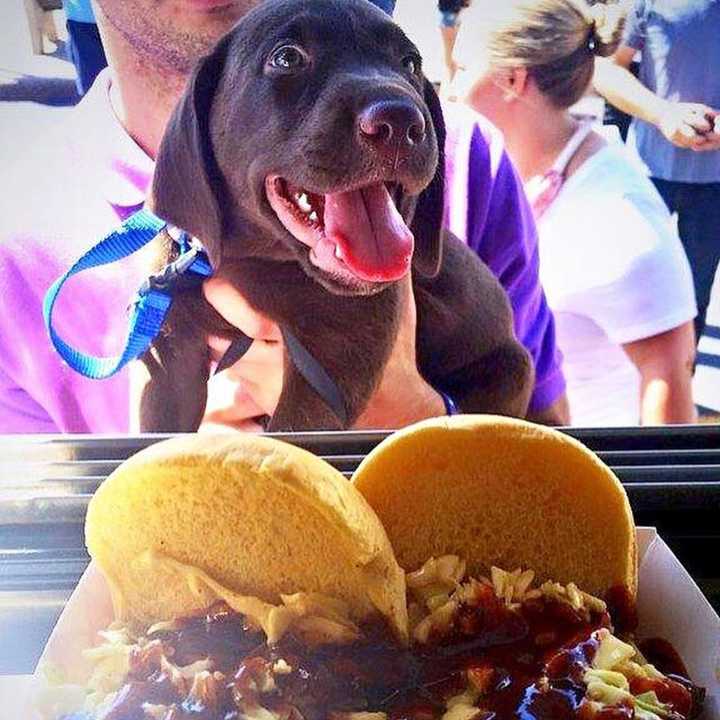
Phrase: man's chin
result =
(224, 13)
(170, 36)
(210, 6)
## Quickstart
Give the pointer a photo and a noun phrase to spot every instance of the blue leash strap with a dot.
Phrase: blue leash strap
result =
(151, 303)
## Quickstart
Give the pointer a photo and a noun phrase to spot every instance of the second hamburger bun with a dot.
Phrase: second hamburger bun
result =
(503, 492)
(258, 516)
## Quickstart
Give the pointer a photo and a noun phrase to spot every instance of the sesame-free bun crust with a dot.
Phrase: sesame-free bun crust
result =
(259, 516)
(504, 492)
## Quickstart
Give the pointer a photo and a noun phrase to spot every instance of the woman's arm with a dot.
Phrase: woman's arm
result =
(614, 81)
(665, 362)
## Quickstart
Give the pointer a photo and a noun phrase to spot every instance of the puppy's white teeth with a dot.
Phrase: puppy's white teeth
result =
(338, 252)
(303, 203)
(313, 216)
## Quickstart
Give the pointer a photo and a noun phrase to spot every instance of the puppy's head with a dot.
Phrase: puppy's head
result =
(310, 134)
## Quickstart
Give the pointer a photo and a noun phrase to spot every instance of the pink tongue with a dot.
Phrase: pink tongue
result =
(373, 240)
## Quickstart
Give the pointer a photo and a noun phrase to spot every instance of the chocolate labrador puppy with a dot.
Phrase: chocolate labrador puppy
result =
(307, 157)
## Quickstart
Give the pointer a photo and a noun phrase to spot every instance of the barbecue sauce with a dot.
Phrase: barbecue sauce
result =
(622, 609)
(524, 665)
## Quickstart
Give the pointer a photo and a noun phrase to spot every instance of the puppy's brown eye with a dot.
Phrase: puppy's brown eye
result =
(412, 63)
(288, 57)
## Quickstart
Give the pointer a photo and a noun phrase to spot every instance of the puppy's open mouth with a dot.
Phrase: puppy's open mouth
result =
(352, 235)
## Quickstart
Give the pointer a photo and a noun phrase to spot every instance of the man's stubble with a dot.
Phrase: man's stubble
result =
(166, 36)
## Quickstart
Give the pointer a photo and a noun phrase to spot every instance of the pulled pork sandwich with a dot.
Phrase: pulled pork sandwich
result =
(238, 568)
(526, 605)
(251, 581)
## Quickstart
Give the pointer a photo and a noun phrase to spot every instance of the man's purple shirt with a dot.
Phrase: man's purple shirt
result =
(87, 174)
(486, 207)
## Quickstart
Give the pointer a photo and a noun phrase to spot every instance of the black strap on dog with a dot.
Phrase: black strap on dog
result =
(315, 375)
(237, 349)
(311, 370)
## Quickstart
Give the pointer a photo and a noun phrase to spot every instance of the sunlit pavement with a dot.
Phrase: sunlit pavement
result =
(36, 91)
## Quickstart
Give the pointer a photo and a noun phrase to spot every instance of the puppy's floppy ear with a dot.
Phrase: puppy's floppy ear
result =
(427, 223)
(188, 186)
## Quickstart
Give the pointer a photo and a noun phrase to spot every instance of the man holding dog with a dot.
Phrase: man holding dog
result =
(104, 174)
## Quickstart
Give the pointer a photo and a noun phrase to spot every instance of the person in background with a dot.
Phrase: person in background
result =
(611, 264)
(676, 128)
(96, 171)
(449, 12)
(85, 45)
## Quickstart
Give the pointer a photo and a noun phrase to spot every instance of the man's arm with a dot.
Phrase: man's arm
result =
(665, 362)
(687, 125)
(556, 414)
(614, 81)
(502, 231)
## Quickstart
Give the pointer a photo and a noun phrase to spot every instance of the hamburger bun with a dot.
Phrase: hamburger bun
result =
(504, 492)
(258, 516)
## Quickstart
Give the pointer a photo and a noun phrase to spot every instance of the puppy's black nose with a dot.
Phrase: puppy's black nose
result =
(392, 125)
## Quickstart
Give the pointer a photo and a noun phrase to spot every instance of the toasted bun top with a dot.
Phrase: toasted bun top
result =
(504, 492)
(259, 516)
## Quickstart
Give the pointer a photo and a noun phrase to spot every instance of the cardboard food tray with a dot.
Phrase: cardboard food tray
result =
(670, 605)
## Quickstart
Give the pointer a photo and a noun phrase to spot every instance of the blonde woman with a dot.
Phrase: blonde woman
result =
(613, 269)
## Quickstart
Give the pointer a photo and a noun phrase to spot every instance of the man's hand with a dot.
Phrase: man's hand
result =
(402, 396)
(690, 125)
(239, 396)
(251, 388)
(711, 140)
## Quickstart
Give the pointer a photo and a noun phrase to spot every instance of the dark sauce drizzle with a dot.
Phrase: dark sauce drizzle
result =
(526, 665)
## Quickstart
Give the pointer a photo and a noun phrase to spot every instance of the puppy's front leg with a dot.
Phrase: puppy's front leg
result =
(466, 341)
(500, 382)
(169, 383)
(300, 408)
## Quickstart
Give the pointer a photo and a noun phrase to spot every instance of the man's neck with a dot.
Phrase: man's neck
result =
(144, 106)
(142, 96)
